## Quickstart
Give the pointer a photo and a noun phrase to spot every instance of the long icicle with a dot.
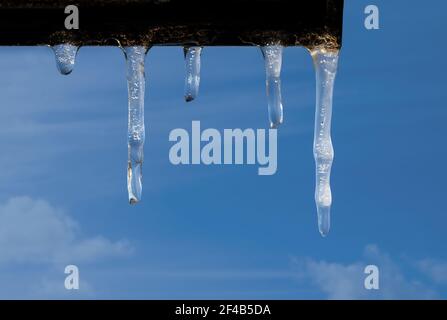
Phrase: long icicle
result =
(65, 54)
(136, 133)
(192, 66)
(325, 63)
(273, 62)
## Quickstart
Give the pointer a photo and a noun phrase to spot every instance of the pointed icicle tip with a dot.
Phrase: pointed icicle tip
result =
(65, 54)
(273, 63)
(192, 69)
(324, 220)
(133, 201)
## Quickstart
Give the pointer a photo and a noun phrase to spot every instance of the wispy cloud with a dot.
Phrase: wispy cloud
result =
(37, 241)
(436, 270)
(35, 232)
(346, 281)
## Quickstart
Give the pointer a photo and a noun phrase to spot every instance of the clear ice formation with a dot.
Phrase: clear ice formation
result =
(192, 66)
(65, 57)
(135, 56)
(273, 61)
(325, 63)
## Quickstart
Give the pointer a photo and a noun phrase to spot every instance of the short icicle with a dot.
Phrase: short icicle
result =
(325, 62)
(65, 57)
(192, 66)
(273, 61)
(135, 57)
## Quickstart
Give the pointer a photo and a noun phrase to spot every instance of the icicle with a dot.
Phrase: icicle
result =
(135, 84)
(326, 69)
(273, 61)
(65, 57)
(192, 79)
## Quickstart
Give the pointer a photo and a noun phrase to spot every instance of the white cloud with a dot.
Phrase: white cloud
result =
(35, 232)
(436, 270)
(346, 281)
(336, 280)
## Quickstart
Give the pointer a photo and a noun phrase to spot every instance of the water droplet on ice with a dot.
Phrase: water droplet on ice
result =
(65, 57)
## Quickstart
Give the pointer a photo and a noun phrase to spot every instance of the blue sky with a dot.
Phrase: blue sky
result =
(223, 231)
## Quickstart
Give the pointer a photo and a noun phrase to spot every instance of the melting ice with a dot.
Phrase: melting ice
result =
(326, 69)
(325, 62)
(192, 65)
(136, 135)
(273, 61)
(65, 57)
